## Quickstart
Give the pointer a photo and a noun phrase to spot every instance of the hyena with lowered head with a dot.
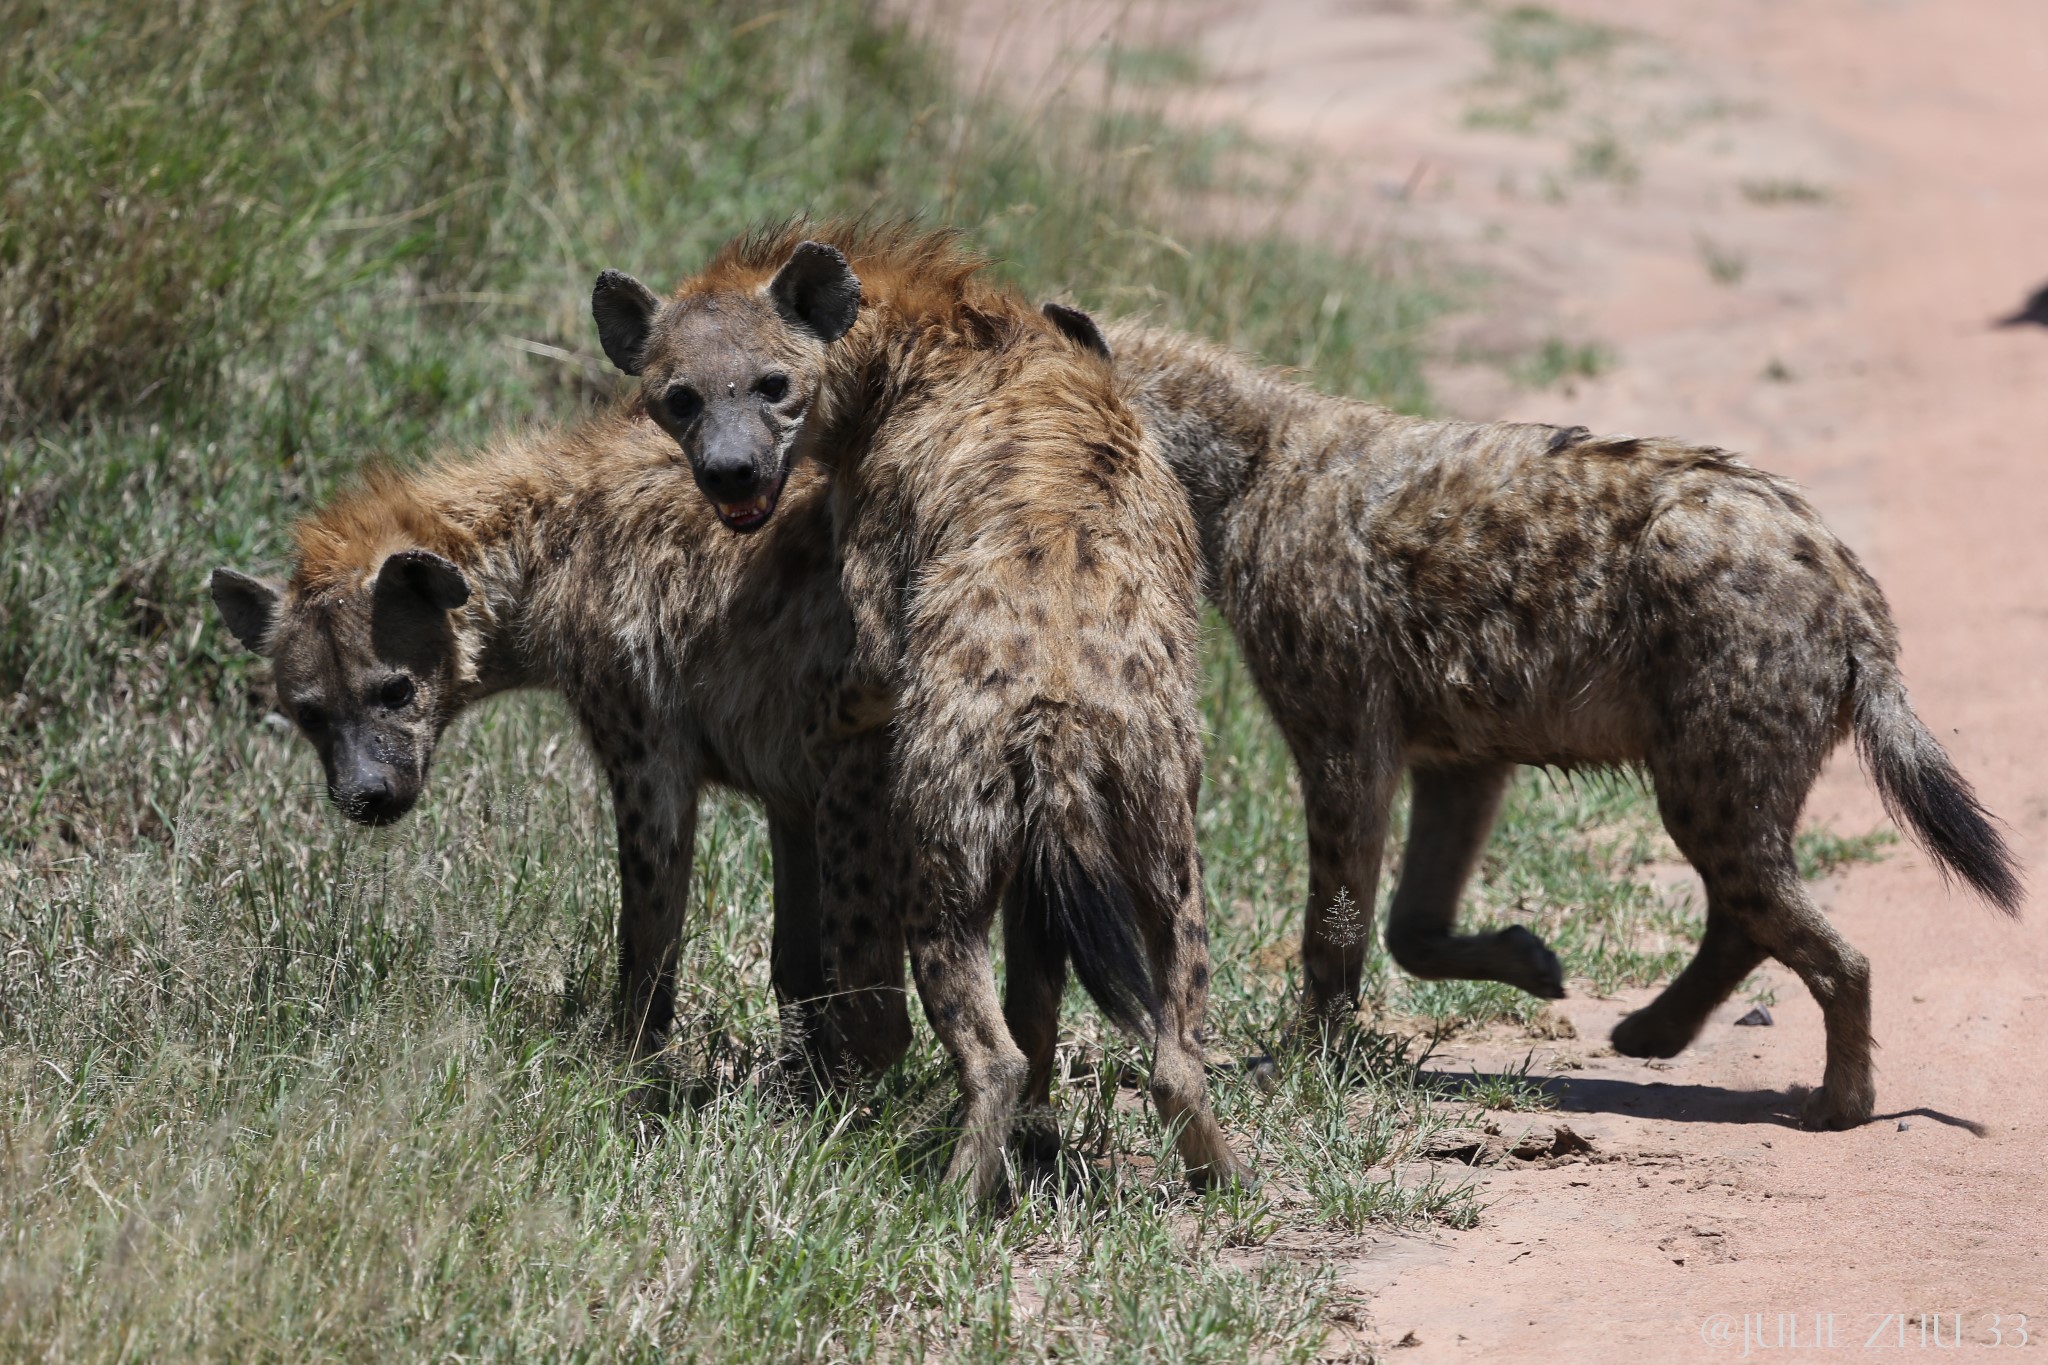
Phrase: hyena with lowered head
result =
(586, 563)
(1022, 574)
(1453, 599)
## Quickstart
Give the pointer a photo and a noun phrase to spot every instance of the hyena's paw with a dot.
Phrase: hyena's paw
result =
(977, 1169)
(1223, 1172)
(1649, 1033)
(1530, 965)
(1035, 1137)
(1836, 1107)
(1320, 1027)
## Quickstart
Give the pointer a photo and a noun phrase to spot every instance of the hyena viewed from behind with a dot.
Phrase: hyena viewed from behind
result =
(585, 563)
(1021, 570)
(1453, 599)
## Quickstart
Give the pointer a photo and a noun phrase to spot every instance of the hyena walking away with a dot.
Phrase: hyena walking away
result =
(1022, 573)
(1454, 599)
(586, 564)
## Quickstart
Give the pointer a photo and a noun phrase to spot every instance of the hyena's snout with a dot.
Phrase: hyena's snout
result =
(739, 468)
(367, 786)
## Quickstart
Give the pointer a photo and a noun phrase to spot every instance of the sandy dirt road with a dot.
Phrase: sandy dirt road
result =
(1790, 226)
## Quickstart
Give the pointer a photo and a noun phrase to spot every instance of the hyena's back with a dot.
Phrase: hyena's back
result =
(1533, 595)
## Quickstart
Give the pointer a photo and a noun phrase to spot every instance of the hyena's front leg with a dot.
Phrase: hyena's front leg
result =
(1452, 812)
(657, 828)
(1346, 798)
(864, 875)
(796, 963)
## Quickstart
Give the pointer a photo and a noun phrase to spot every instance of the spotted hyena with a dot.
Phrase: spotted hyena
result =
(1021, 570)
(1451, 599)
(586, 563)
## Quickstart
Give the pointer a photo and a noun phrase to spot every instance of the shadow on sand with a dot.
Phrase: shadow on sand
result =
(1679, 1103)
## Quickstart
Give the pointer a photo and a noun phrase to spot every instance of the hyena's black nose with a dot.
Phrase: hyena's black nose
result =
(372, 798)
(730, 479)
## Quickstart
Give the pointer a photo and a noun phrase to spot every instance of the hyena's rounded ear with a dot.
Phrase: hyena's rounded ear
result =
(250, 606)
(817, 288)
(424, 575)
(624, 309)
(1077, 326)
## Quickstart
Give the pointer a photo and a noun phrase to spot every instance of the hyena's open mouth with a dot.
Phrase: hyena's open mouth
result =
(752, 514)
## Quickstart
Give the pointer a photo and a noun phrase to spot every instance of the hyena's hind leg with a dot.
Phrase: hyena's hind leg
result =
(1179, 945)
(1034, 982)
(1667, 1025)
(1452, 812)
(1738, 836)
(948, 928)
(863, 879)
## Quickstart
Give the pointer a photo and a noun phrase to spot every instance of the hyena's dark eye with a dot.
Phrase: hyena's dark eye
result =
(311, 718)
(683, 404)
(396, 694)
(773, 387)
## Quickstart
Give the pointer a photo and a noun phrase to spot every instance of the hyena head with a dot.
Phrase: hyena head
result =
(371, 676)
(731, 370)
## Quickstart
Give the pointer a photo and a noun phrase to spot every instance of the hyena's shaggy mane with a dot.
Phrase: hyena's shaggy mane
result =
(445, 506)
(925, 275)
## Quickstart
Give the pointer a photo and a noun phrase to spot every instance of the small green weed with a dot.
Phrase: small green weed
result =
(1772, 193)
(1165, 65)
(1603, 157)
(1538, 56)
(1724, 266)
(1822, 852)
(1558, 361)
(1511, 1089)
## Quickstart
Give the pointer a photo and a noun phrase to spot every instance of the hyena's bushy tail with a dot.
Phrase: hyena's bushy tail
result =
(1023, 797)
(1080, 885)
(1095, 916)
(1922, 790)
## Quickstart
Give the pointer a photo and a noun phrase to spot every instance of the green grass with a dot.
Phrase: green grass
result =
(1822, 852)
(1154, 65)
(1539, 57)
(271, 1085)
(1602, 156)
(1772, 193)
(1558, 361)
(1724, 265)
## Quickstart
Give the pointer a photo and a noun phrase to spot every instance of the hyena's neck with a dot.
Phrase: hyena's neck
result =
(1223, 423)
(874, 373)
(841, 423)
(492, 513)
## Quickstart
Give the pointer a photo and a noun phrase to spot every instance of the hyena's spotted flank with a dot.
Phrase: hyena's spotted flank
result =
(1452, 599)
(1022, 574)
(584, 563)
